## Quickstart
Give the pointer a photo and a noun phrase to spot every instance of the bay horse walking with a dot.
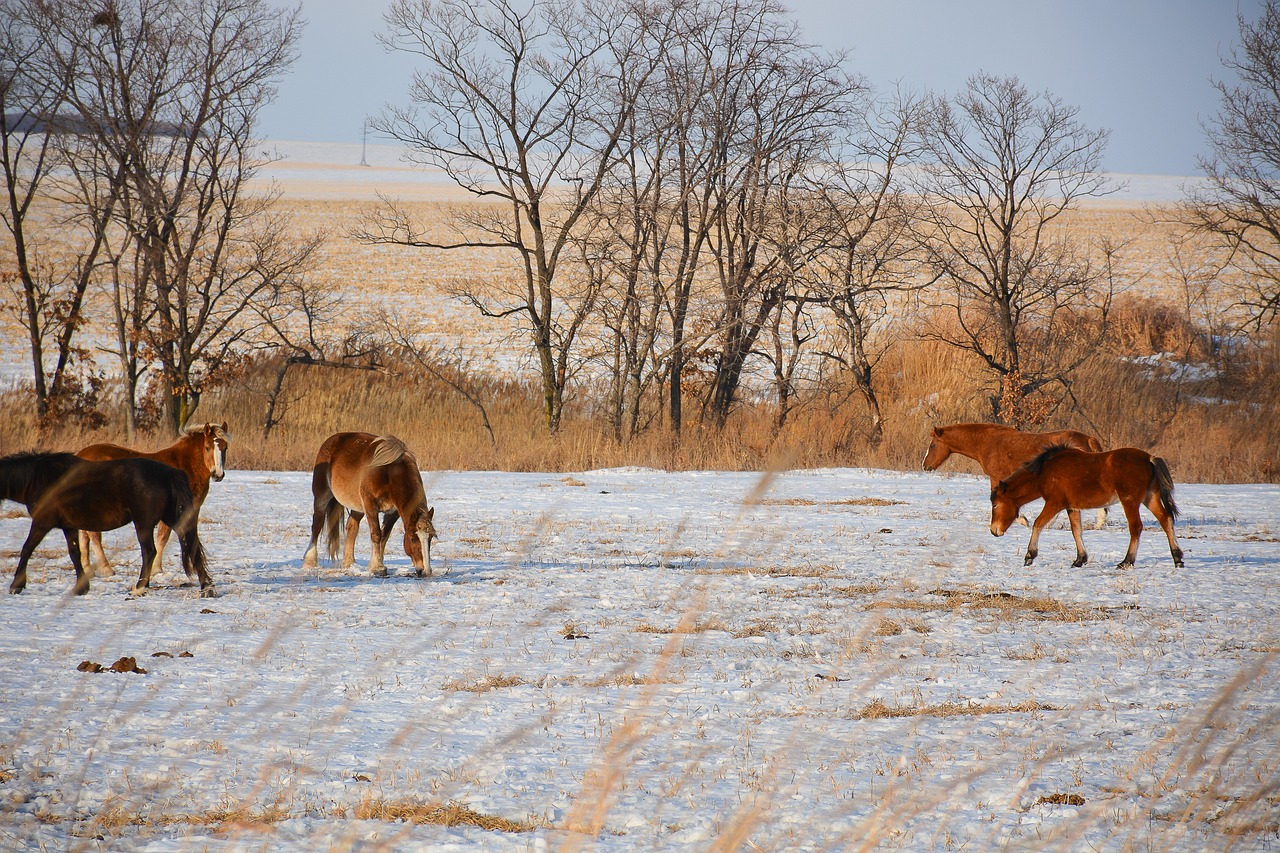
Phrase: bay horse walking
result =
(201, 453)
(101, 496)
(1073, 480)
(369, 474)
(1000, 449)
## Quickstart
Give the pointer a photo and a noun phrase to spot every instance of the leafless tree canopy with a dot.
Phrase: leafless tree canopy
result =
(1241, 204)
(1001, 166)
(153, 125)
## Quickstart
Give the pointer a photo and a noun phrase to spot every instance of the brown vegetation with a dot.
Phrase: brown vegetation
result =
(1216, 425)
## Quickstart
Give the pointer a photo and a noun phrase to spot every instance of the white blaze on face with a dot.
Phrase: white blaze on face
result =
(219, 461)
(425, 542)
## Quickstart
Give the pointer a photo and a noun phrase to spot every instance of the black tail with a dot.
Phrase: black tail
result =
(194, 562)
(1164, 483)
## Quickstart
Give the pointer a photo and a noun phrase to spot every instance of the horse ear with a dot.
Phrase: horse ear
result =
(224, 426)
(431, 513)
(937, 432)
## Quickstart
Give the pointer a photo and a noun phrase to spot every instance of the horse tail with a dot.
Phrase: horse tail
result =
(195, 563)
(185, 510)
(333, 525)
(1164, 483)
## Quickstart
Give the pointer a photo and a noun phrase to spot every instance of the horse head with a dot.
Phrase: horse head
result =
(937, 453)
(216, 439)
(1004, 509)
(419, 532)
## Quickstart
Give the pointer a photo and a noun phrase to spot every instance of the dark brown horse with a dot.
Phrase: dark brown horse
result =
(1000, 449)
(101, 496)
(370, 474)
(201, 453)
(1073, 480)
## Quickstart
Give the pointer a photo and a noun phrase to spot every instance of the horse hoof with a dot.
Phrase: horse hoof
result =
(208, 592)
(1028, 560)
(80, 589)
(104, 572)
(16, 590)
(1078, 563)
(1123, 565)
(138, 589)
(423, 573)
(378, 573)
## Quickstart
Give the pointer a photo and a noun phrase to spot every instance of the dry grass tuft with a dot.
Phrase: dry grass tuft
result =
(436, 814)
(866, 502)
(1005, 605)
(878, 710)
(484, 685)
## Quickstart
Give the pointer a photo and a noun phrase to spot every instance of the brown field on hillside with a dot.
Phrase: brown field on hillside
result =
(1213, 429)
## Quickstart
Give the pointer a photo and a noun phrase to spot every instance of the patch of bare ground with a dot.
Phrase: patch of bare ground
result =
(878, 710)
(1005, 605)
(440, 814)
(222, 820)
(697, 626)
(773, 571)
(865, 502)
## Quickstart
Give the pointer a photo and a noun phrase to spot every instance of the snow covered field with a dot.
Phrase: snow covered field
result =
(638, 660)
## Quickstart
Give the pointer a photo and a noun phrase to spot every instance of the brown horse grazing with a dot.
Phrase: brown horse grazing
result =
(105, 495)
(201, 453)
(370, 474)
(1001, 449)
(1073, 480)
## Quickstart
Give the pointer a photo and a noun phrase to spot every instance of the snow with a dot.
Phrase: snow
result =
(730, 629)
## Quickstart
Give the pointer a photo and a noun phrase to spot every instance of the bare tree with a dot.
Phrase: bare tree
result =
(55, 256)
(1002, 165)
(166, 94)
(774, 105)
(869, 260)
(1241, 203)
(519, 106)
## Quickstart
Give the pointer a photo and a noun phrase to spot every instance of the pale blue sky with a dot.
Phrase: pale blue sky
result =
(1139, 67)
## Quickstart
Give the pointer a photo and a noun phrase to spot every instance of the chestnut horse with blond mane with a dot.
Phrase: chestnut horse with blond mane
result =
(201, 453)
(1073, 480)
(1000, 449)
(369, 474)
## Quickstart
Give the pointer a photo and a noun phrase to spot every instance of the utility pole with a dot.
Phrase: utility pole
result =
(364, 142)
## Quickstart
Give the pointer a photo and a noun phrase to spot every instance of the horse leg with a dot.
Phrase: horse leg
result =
(1033, 547)
(1135, 531)
(352, 532)
(91, 551)
(146, 540)
(162, 539)
(376, 567)
(1082, 557)
(1166, 521)
(34, 537)
(1102, 518)
(77, 557)
(319, 514)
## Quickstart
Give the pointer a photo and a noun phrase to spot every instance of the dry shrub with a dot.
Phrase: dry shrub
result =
(437, 814)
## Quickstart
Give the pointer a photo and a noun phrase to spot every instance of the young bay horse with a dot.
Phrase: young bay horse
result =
(1000, 449)
(201, 453)
(370, 474)
(1073, 480)
(101, 496)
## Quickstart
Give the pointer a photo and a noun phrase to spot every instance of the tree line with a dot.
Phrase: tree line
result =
(697, 203)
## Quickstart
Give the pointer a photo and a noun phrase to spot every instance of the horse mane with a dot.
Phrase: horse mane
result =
(388, 449)
(218, 431)
(1036, 465)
